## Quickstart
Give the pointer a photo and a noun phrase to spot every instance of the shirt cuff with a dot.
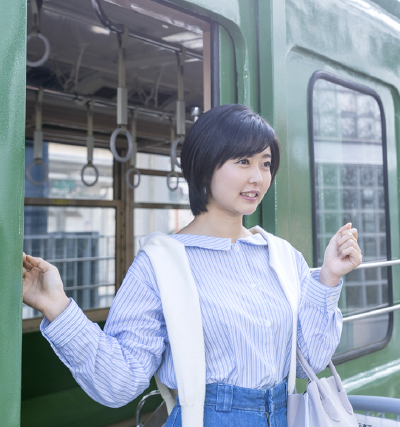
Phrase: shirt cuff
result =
(321, 295)
(66, 326)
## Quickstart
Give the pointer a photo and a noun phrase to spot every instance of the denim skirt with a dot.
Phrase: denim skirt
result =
(231, 406)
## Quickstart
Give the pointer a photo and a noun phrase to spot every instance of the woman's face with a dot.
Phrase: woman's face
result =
(239, 185)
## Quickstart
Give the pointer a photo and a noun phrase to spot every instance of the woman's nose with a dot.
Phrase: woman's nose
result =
(256, 176)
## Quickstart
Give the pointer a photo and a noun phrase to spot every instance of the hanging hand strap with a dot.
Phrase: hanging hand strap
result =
(132, 170)
(90, 147)
(36, 6)
(174, 161)
(38, 144)
(122, 100)
(180, 108)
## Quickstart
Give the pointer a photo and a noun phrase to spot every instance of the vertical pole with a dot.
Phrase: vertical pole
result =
(12, 152)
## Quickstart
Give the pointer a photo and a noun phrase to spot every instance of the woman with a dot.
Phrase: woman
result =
(229, 159)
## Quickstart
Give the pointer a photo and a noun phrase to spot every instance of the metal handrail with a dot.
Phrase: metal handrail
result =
(372, 313)
(118, 28)
(88, 258)
(79, 288)
(106, 103)
(375, 264)
(140, 406)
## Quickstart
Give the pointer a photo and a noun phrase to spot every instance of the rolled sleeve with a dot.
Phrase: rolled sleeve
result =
(66, 326)
(323, 296)
(320, 320)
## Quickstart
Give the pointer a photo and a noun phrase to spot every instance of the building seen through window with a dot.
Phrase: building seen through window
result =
(350, 187)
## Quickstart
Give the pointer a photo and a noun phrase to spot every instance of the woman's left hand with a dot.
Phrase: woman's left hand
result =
(341, 256)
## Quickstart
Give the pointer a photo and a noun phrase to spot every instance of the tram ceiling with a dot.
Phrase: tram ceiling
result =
(84, 61)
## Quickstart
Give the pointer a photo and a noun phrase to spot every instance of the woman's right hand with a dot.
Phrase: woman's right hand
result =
(42, 287)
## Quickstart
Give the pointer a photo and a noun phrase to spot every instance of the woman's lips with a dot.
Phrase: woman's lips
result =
(250, 196)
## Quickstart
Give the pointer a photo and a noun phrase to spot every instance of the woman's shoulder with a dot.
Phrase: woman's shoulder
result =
(142, 271)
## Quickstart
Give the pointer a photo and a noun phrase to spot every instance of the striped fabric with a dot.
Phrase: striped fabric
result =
(246, 320)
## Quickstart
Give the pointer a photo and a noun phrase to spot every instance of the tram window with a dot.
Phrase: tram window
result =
(80, 242)
(350, 186)
(168, 221)
(65, 163)
(154, 189)
(155, 162)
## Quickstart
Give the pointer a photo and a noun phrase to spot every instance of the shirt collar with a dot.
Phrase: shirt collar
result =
(218, 243)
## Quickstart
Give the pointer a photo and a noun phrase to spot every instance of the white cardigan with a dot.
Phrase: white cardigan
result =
(181, 308)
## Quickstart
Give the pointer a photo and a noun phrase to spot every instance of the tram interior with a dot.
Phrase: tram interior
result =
(83, 67)
(91, 231)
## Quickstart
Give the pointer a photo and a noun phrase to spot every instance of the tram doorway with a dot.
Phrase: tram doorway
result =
(96, 69)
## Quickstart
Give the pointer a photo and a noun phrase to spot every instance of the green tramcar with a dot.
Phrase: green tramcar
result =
(325, 74)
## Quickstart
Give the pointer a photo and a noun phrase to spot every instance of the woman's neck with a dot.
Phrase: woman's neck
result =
(217, 225)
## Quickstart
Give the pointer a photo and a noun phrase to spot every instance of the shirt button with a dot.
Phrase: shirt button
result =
(273, 370)
(252, 285)
(236, 248)
(331, 298)
(267, 323)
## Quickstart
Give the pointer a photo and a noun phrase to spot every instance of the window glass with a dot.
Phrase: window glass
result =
(349, 187)
(155, 162)
(80, 242)
(154, 189)
(168, 221)
(65, 163)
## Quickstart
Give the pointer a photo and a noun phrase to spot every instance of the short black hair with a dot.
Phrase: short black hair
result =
(226, 132)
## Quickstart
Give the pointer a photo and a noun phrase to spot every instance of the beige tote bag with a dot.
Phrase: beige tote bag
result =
(324, 404)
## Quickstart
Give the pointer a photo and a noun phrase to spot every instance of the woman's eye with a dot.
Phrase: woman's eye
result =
(267, 165)
(243, 162)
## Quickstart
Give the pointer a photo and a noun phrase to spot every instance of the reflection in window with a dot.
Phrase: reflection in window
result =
(80, 242)
(65, 163)
(349, 187)
(169, 221)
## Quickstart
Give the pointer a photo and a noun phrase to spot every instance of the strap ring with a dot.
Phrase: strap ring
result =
(46, 54)
(38, 162)
(96, 171)
(113, 138)
(169, 176)
(133, 171)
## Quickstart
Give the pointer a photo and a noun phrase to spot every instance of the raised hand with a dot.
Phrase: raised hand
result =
(42, 287)
(341, 256)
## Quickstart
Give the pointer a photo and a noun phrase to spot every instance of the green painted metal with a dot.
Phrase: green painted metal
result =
(12, 129)
(227, 80)
(238, 18)
(268, 52)
(51, 397)
(343, 39)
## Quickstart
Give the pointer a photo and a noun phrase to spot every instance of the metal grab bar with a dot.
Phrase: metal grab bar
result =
(374, 264)
(371, 313)
(376, 404)
(105, 103)
(140, 406)
(118, 28)
(377, 264)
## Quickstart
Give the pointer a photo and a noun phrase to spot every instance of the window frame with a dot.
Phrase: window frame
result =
(317, 75)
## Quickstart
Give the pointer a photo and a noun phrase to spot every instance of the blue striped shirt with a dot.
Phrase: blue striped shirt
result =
(247, 324)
